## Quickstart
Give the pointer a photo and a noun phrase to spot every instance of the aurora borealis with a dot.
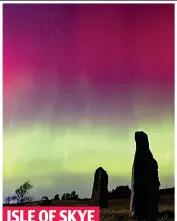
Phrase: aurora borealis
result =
(78, 81)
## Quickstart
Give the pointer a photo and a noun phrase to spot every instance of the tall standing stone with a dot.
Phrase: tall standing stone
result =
(145, 181)
(100, 188)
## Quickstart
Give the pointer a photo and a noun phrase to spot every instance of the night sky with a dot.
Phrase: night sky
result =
(78, 81)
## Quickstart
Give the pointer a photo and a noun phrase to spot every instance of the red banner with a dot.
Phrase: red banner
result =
(59, 213)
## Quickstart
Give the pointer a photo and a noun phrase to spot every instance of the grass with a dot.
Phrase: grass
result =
(118, 209)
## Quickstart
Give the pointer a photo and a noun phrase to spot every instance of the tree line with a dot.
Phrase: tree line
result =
(22, 194)
(66, 196)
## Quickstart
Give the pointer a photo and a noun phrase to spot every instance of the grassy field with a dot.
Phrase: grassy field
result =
(118, 209)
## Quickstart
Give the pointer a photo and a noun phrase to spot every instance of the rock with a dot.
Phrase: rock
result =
(100, 189)
(145, 181)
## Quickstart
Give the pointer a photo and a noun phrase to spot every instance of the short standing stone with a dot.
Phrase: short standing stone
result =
(100, 188)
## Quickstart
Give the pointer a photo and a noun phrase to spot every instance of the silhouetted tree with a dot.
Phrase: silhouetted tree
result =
(73, 195)
(21, 195)
(9, 200)
(57, 197)
(120, 192)
(45, 201)
(65, 196)
(70, 196)
(44, 198)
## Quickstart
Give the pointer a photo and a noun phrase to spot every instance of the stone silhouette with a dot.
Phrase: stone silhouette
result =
(100, 188)
(145, 181)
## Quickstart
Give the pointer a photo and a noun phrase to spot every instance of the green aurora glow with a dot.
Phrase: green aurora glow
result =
(39, 151)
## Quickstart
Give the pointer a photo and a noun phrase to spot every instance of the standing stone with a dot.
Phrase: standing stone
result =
(145, 181)
(100, 189)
